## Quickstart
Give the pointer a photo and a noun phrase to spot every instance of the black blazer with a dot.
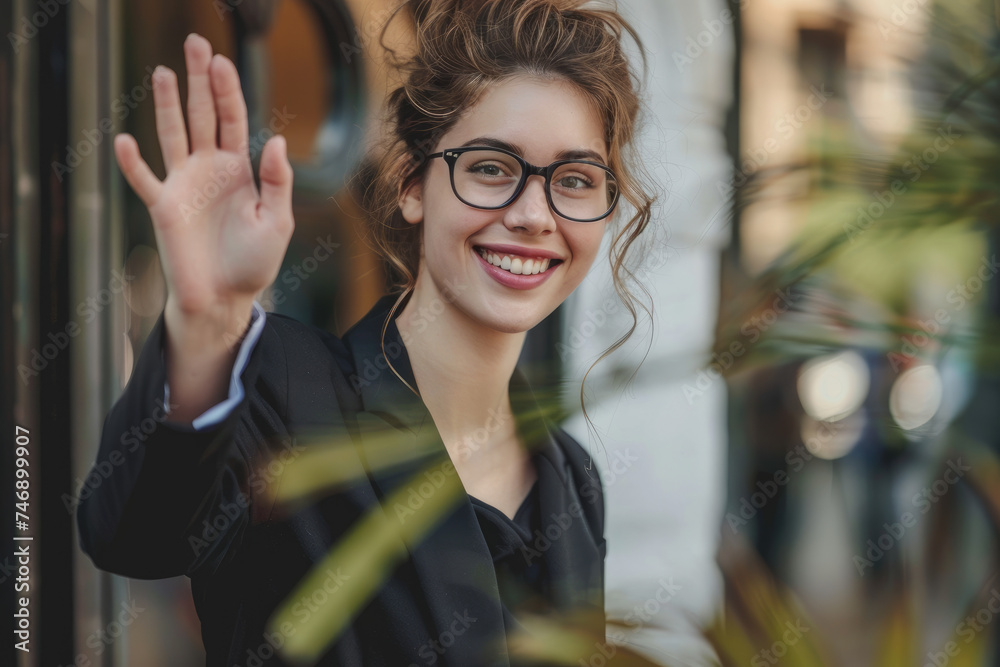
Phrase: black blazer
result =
(215, 505)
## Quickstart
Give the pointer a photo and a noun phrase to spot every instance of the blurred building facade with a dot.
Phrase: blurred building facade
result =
(815, 73)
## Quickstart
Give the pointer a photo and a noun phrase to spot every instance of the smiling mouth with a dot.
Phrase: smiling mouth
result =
(517, 265)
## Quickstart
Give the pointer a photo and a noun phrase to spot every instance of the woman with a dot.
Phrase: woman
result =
(266, 476)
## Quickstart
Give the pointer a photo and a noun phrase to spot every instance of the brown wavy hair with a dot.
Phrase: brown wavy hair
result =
(462, 48)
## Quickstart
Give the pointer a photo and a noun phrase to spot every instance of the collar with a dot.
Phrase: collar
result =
(386, 396)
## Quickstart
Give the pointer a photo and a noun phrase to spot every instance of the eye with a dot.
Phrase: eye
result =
(575, 182)
(487, 169)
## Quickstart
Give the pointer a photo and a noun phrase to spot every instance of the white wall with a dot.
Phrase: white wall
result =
(663, 455)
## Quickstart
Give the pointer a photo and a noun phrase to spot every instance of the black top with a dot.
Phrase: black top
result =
(521, 578)
(382, 558)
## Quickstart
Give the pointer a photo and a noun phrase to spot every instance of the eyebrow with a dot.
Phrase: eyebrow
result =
(575, 154)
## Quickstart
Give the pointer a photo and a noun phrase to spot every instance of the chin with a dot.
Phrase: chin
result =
(508, 324)
(511, 327)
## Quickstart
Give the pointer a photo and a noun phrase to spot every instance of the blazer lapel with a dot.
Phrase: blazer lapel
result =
(569, 507)
(411, 472)
(570, 548)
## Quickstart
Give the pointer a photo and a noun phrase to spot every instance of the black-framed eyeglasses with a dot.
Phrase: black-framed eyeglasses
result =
(493, 178)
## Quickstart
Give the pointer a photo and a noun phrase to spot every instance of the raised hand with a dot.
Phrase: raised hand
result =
(220, 241)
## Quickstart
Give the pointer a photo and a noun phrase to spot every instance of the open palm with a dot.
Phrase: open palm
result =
(220, 241)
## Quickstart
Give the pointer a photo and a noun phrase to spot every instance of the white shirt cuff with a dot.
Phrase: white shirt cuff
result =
(220, 411)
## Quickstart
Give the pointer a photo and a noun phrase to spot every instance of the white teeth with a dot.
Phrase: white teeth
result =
(516, 265)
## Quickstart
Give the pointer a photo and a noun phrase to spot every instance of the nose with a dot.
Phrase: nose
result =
(530, 212)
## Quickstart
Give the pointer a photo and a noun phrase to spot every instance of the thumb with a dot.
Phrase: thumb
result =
(275, 179)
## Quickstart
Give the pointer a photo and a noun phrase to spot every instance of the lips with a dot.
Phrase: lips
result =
(518, 261)
(540, 268)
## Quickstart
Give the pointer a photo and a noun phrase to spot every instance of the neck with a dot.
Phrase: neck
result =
(462, 369)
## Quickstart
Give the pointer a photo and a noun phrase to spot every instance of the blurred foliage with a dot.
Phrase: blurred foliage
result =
(897, 241)
(763, 623)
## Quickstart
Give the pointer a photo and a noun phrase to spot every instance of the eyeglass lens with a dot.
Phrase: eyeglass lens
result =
(488, 179)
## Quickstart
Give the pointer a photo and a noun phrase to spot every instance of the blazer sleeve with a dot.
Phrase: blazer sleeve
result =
(164, 498)
(221, 410)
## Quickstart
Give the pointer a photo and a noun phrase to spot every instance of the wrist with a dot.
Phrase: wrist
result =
(222, 325)
(200, 351)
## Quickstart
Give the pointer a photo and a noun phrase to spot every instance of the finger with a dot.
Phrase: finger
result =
(229, 105)
(275, 180)
(169, 118)
(136, 171)
(200, 105)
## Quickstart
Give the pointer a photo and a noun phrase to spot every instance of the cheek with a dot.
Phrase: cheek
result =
(585, 244)
(447, 230)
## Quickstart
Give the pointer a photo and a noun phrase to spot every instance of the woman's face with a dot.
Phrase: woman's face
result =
(540, 120)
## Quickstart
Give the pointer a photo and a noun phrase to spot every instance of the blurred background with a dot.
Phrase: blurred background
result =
(815, 471)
